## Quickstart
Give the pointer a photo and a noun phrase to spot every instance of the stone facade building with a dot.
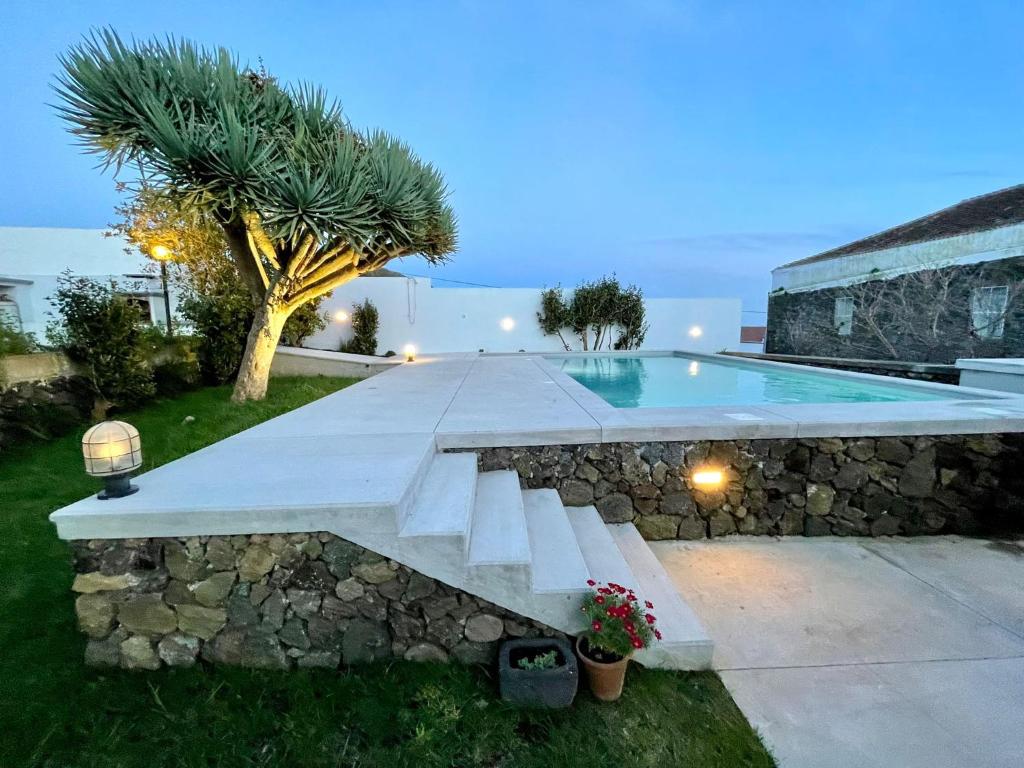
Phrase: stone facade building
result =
(945, 286)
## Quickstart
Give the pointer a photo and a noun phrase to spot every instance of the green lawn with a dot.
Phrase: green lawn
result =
(56, 712)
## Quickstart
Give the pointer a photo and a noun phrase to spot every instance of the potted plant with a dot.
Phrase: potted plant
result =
(538, 672)
(619, 626)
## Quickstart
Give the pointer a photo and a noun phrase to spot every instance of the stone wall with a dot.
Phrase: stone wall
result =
(273, 602)
(802, 322)
(43, 409)
(843, 486)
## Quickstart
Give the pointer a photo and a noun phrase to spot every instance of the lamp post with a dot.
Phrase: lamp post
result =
(162, 254)
(112, 450)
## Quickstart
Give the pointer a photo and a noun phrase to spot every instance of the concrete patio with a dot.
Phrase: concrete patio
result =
(845, 652)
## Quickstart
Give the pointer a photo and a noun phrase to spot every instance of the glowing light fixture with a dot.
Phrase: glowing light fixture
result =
(693, 368)
(112, 450)
(507, 323)
(410, 353)
(160, 253)
(341, 316)
(707, 478)
(695, 331)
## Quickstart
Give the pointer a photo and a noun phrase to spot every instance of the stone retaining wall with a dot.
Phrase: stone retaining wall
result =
(43, 409)
(844, 486)
(273, 602)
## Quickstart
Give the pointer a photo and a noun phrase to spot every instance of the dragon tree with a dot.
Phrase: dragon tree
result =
(305, 201)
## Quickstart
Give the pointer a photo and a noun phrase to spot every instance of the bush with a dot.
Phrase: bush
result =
(98, 328)
(13, 341)
(365, 321)
(221, 322)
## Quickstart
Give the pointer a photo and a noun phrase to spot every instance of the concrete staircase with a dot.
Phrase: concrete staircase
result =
(525, 551)
(396, 495)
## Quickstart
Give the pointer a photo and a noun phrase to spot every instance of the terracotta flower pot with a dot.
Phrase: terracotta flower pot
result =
(605, 679)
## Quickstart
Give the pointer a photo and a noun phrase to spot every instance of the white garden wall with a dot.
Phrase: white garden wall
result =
(412, 311)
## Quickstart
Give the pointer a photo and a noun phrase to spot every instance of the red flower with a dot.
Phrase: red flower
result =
(591, 582)
(619, 588)
(631, 597)
(597, 626)
(611, 612)
(650, 618)
(604, 591)
(630, 628)
(657, 634)
(599, 600)
(648, 605)
(638, 643)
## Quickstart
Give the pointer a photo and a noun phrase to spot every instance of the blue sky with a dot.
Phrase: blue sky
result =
(688, 147)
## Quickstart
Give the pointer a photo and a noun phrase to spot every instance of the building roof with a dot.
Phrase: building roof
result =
(976, 214)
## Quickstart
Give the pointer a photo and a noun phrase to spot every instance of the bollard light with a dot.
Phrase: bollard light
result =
(113, 450)
(410, 353)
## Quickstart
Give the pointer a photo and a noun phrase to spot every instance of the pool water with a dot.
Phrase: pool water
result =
(669, 382)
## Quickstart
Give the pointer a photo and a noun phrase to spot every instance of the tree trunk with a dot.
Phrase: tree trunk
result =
(264, 334)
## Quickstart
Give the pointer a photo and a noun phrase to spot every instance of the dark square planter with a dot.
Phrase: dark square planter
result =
(550, 688)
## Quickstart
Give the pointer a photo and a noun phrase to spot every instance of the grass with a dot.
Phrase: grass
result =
(56, 712)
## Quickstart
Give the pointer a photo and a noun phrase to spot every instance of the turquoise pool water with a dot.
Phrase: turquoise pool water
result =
(669, 382)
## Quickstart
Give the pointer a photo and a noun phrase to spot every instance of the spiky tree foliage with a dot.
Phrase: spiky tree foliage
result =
(306, 202)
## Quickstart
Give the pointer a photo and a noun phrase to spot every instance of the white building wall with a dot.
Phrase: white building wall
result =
(972, 248)
(412, 311)
(32, 259)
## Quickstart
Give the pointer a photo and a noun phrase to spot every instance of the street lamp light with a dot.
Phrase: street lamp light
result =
(163, 254)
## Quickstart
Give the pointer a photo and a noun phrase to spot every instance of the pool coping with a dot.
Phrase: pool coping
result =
(982, 412)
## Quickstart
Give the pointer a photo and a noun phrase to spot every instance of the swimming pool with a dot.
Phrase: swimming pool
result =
(672, 381)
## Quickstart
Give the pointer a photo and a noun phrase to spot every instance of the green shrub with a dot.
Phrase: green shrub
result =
(221, 324)
(13, 341)
(221, 321)
(99, 329)
(365, 321)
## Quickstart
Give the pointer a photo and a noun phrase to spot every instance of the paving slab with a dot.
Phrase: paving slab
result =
(409, 398)
(507, 401)
(865, 652)
(823, 601)
(940, 714)
(984, 574)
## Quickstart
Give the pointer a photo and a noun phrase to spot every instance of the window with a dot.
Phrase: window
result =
(843, 318)
(988, 311)
(143, 303)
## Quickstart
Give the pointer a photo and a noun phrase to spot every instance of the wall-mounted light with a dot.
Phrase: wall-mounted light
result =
(693, 368)
(341, 316)
(707, 477)
(112, 450)
(410, 353)
(507, 323)
(695, 331)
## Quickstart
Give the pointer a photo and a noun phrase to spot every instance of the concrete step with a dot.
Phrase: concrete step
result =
(555, 556)
(685, 643)
(499, 534)
(443, 505)
(603, 558)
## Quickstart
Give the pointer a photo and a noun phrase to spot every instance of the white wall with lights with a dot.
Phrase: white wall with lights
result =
(412, 311)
